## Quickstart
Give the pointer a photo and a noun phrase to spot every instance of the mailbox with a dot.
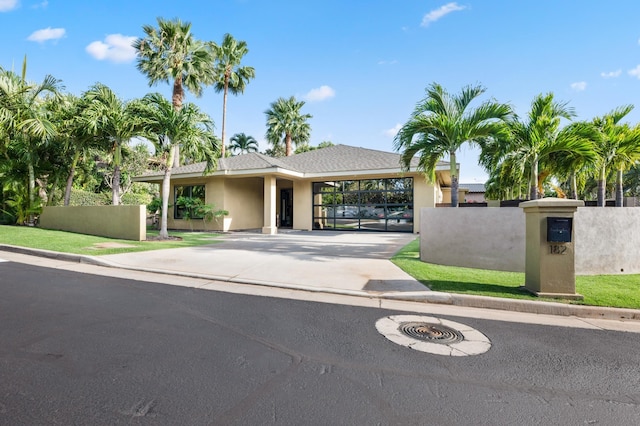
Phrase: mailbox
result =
(559, 229)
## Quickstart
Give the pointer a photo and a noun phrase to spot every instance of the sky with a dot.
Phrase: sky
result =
(360, 66)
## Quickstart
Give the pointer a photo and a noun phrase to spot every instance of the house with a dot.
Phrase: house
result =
(474, 192)
(338, 188)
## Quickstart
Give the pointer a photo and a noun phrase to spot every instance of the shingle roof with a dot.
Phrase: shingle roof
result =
(337, 158)
(473, 187)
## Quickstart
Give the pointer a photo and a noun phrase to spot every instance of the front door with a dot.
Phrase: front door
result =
(286, 208)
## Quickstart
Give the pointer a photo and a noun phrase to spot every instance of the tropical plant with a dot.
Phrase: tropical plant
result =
(195, 208)
(167, 127)
(170, 54)
(26, 123)
(229, 75)
(243, 144)
(113, 122)
(536, 141)
(286, 123)
(617, 147)
(441, 123)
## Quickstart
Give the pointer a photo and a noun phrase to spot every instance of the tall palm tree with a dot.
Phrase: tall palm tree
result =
(26, 120)
(441, 123)
(618, 146)
(229, 75)
(170, 54)
(536, 140)
(286, 123)
(243, 143)
(113, 122)
(166, 127)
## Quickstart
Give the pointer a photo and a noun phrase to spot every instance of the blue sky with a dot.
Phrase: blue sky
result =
(361, 66)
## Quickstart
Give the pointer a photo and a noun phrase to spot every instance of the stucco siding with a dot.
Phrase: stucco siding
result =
(123, 222)
(486, 238)
(606, 239)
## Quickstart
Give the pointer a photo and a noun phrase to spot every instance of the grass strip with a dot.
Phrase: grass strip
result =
(620, 291)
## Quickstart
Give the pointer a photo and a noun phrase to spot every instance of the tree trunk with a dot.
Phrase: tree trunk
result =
(31, 192)
(602, 188)
(166, 188)
(287, 141)
(67, 190)
(453, 171)
(176, 99)
(574, 186)
(224, 115)
(533, 184)
(115, 186)
(619, 189)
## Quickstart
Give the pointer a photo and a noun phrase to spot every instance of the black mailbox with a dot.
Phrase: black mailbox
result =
(559, 229)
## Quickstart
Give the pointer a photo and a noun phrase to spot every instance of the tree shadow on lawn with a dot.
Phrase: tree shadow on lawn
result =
(481, 289)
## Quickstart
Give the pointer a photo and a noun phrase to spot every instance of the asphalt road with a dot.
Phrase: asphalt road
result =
(80, 349)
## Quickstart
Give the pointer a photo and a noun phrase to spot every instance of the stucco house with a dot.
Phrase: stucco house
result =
(339, 188)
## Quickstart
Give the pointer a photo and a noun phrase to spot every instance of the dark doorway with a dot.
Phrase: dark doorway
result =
(286, 208)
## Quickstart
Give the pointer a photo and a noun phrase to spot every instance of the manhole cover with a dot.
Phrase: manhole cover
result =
(433, 335)
(436, 333)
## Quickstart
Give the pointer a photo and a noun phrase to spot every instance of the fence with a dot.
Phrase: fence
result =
(606, 239)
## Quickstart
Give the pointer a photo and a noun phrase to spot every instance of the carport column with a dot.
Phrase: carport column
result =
(550, 247)
(269, 206)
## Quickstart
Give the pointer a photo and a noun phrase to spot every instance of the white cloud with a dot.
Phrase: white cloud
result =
(7, 5)
(579, 86)
(115, 48)
(393, 62)
(393, 131)
(635, 72)
(611, 74)
(320, 94)
(47, 34)
(436, 14)
(41, 5)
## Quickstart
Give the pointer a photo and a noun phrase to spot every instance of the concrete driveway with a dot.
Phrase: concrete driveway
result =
(322, 259)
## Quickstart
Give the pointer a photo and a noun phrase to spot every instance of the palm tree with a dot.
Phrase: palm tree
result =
(243, 143)
(286, 123)
(113, 122)
(617, 146)
(229, 75)
(536, 140)
(441, 123)
(170, 54)
(166, 127)
(26, 120)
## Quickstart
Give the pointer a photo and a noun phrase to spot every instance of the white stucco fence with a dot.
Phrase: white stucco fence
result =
(607, 240)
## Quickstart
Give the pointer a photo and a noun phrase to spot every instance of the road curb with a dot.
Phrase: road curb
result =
(435, 297)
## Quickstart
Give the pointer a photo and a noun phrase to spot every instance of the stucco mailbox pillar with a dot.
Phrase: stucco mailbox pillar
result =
(550, 247)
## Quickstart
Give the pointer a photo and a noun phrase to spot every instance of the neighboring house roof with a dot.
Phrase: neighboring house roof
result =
(473, 187)
(333, 159)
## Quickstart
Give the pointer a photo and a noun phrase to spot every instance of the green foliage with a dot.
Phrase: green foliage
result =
(87, 198)
(620, 291)
(195, 208)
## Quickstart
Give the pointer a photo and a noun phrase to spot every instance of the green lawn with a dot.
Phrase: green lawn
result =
(68, 242)
(622, 291)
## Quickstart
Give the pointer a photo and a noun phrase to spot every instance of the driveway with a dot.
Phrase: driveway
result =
(322, 259)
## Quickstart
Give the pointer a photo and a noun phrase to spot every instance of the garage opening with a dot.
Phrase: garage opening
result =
(364, 205)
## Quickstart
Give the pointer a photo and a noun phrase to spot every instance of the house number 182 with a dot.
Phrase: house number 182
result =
(557, 249)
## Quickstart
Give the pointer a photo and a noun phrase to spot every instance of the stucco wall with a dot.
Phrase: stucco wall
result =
(606, 239)
(123, 222)
(244, 201)
(486, 238)
(302, 205)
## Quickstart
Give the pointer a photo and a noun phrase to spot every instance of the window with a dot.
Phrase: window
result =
(193, 191)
